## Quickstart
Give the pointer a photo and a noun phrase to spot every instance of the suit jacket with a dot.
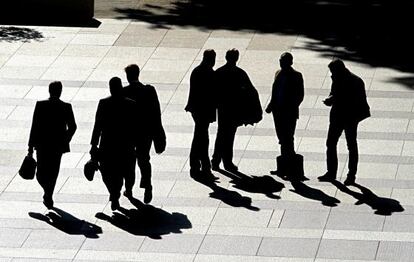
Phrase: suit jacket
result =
(53, 126)
(202, 98)
(234, 87)
(349, 100)
(147, 112)
(287, 93)
(114, 129)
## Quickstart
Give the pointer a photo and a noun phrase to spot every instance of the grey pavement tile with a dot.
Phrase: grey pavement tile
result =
(12, 237)
(395, 251)
(138, 40)
(176, 243)
(226, 43)
(14, 91)
(85, 51)
(53, 239)
(132, 256)
(241, 217)
(95, 39)
(22, 72)
(304, 219)
(73, 74)
(114, 241)
(399, 223)
(40, 260)
(354, 221)
(345, 249)
(238, 258)
(230, 245)
(288, 247)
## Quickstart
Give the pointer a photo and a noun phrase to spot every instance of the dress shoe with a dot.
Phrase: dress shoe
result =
(48, 203)
(327, 178)
(115, 205)
(128, 194)
(350, 180)
(231, 167)
(148, 195)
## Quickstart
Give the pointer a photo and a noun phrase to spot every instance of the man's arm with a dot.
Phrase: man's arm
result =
(34, 131)
(71, 124)
(97, 131)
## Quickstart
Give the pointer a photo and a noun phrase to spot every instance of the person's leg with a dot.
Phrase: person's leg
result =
(334, 132)
(48, 165)
(218, 145)
(110, 168)
(228, 144)
(195, 164)
(352, 144)
(204, 143)
(285, 130)
(129, 174)
(143, 157)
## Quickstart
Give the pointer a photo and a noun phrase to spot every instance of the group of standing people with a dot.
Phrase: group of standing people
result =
(128, 122)
(229, 91)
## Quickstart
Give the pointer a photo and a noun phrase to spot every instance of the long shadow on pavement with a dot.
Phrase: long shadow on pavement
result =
(67, 223)
(315, 194)
(231, 198)
(147, 220)
(382, 205)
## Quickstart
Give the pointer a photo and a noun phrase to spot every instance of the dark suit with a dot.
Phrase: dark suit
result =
(349, 107)
(147, 117)
(202, 105)
(287, 95)
(114, 132)
(232, 82)
(52, 129)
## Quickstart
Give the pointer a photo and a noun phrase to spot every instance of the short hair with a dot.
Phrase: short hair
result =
(232, 55)
(132, 71)
(287, 58)
(336, 65)
(55, 89)
(115, 86)
(209, 54)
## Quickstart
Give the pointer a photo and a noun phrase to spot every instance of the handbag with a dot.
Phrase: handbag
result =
(28, 168)
(89, 169)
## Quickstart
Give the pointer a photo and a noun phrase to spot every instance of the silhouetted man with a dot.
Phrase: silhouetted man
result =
(287, 95)
(202, 105)
(114, 132)
(349, 106)
(148, 119)
(232, 83)
(52, 129)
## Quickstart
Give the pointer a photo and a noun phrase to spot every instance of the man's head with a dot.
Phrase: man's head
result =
(286, 60)
(209, 57)
(132, 73)
(55, 89)
(115, 86)
(232, 56)
(337, 67)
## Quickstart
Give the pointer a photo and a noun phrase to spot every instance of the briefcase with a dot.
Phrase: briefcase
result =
(89, 169)
(290, 167)
(28, 168)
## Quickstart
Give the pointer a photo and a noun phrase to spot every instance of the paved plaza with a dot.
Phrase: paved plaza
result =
(252, 217)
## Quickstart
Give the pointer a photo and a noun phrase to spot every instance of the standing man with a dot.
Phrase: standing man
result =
(114, 132)
(52, 129)
(202, 105)
(287, 95)
(148, 119)
(349, 106)
(233, 83)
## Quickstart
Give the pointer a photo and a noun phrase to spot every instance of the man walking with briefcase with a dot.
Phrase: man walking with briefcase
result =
(52, 129)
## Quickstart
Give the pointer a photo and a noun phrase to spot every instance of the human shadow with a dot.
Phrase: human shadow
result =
(14, 34)
(382, 205)
(333, 27)
(68, 223)
(265, 185)
(147, 220)
(315, 194)
(229, 197)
